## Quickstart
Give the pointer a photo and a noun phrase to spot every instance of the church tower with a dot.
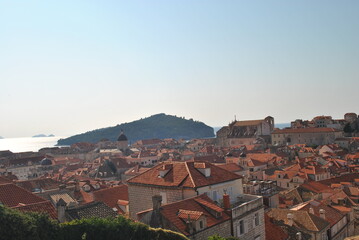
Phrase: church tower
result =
(122, 142)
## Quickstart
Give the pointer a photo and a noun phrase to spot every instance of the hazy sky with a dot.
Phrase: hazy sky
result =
(71, 66)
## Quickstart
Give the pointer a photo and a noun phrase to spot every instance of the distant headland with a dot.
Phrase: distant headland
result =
(43, 135)
(156, 126)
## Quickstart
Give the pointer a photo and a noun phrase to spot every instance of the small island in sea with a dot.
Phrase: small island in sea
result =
(43, 135)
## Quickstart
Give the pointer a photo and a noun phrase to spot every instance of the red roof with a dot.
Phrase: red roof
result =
(175, 213)
(41, 207)
(232, 167)
(184, 174)
(39, 183)
(274, 231)
(186, 214)
(12, 195)
(343, 178)
(332, 215)
(111, 196)
(316, 187)
(304, 130)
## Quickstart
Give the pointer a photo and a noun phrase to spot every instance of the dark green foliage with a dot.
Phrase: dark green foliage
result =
(33, 226)
(119, 228)
(16, 225)
(157, 126)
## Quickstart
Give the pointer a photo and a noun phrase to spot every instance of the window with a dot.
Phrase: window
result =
(164, 197)
(201, 224)
(240, 228)
(256, 219)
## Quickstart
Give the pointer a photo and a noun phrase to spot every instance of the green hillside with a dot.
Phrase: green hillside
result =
(156, 126)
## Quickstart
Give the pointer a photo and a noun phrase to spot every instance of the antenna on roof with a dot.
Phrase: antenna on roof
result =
(235, 118)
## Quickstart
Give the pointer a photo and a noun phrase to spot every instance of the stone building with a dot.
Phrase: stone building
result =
(176, 181)
(308, 136)
(248, 217)
(245, 132)
(302, 221)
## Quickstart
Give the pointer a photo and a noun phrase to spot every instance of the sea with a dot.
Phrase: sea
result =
(26, 144)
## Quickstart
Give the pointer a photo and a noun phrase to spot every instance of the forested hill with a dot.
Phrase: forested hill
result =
(157, 126)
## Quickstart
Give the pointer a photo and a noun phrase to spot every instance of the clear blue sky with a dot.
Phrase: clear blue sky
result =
(71, 66)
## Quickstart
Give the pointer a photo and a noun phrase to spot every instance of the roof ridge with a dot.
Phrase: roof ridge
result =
(31, 204)
(189, 174)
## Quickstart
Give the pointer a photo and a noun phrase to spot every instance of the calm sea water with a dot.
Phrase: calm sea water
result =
(27, 143)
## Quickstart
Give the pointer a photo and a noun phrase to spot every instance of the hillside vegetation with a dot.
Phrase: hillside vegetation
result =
(157, 126)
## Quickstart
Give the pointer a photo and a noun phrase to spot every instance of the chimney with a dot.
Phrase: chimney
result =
(61, 206)
(156, 201)
(226, 202)
(290, 219)
(311, 210)
(322, 213)
(298, 236)
(77, 186)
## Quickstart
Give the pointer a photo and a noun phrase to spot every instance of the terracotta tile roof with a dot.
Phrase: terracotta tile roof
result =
(136, 170)
(316, 187)
(254, 163)
(184, 174)
(263, 157)
(247, 123)
(354, 191)
(196, 205)
(343, 178)
(83, 197)
(40, 207)
(12, 195)
(232, 167)
(331, 215)
(304, 130)
(302, 219)
(186, 214)
(209, 204)
(111, 196)
(274, 231)
(39, 183)
(342, 209)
